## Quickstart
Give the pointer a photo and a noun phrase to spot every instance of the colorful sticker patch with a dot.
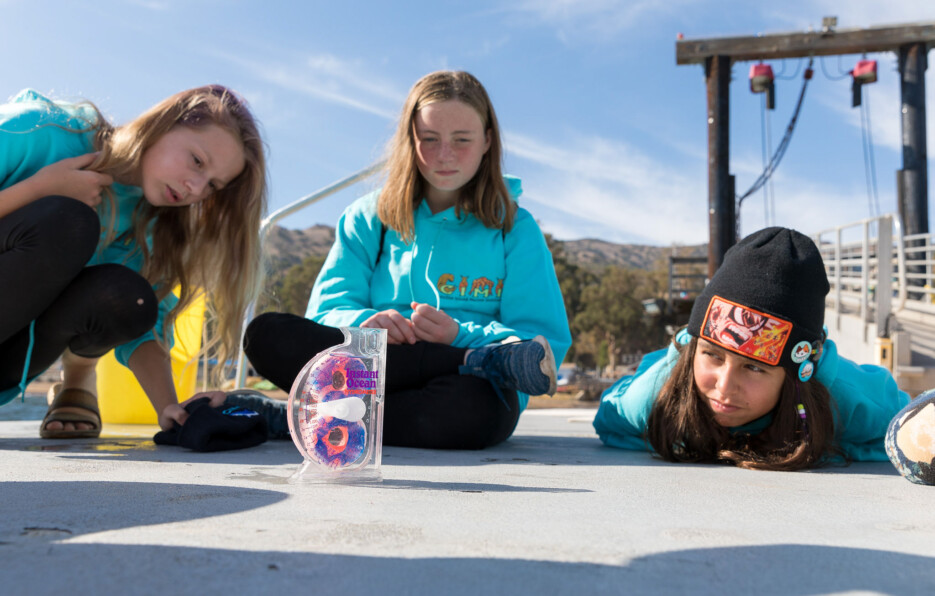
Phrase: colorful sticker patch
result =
(746, 331)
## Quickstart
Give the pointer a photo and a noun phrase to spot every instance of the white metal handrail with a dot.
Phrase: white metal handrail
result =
(276, 216)
(920, 264)
(860, 269)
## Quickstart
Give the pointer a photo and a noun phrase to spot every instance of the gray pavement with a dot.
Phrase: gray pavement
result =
(549, 512)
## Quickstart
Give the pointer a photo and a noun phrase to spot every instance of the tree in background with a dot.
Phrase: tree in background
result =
(572, 279)
(289, 290)
(611, 316)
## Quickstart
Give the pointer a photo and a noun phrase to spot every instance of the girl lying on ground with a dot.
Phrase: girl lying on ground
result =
(753, 380)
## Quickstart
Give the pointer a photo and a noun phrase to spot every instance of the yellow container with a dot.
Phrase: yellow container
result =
(120, 397)
(885, 353)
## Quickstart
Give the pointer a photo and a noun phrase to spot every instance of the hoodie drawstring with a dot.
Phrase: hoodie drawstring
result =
(428, 263)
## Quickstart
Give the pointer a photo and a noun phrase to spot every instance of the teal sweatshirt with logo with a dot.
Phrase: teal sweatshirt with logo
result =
(494, 284)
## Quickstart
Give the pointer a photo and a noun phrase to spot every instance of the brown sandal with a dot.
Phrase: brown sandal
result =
(72, 405)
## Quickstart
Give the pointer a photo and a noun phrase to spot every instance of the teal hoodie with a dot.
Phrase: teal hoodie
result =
(494, 284)
(35, 132)
(866, 399)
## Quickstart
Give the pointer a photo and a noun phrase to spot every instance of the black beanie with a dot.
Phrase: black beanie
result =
(767, 301)
(215, 429)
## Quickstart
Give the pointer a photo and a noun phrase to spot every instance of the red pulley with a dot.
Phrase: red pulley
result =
(761, 77)
(865, 72)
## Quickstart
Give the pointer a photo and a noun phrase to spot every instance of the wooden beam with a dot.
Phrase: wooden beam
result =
(797, 45)
(722, 223)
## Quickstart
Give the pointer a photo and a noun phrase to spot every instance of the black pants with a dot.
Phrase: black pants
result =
(44, 247)
(428, 404)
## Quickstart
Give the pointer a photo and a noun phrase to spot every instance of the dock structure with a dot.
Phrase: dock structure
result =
(911, 42)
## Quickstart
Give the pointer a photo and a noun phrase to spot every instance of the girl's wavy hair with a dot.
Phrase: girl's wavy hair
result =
(212, 246)
(485, 195)
(682, 428)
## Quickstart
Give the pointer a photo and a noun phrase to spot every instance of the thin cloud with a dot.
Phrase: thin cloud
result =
(614, 187)
(151, 4)
(603, 19)
(594, 158)
(488, 47)
(328, 79)
(870, 13)
(613, 191)
(350, 73)
(620, 214)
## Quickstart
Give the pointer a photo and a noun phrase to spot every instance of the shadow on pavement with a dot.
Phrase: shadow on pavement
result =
(788, 569)
(70, 508)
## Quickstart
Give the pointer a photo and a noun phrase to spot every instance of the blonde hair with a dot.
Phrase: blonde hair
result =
(211, 246)
(485, 195)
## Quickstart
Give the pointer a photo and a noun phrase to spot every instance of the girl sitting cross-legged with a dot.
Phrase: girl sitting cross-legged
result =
(444, 260)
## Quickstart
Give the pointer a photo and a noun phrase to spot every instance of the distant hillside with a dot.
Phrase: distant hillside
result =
(596, 254)
(288, 247)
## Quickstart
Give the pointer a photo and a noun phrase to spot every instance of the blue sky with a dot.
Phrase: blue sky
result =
(608, 134)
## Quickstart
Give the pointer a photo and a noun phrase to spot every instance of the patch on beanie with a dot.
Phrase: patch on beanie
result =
(746, 331)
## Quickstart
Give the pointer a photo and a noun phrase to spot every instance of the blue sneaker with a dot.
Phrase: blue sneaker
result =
(526, 366)
(273, 410)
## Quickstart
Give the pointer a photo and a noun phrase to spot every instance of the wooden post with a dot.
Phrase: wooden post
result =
(721, 220)
(912, 180)
(913, 198)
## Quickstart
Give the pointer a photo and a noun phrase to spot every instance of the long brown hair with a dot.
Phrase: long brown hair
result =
(485, 196)
(682, 428)
(212, 246)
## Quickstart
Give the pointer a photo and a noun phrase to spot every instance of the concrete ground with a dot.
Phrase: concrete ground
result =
(551, 511)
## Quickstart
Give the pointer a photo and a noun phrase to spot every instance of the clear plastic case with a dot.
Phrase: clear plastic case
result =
(336, 410)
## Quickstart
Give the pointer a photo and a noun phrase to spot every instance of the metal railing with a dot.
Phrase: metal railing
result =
(278, 215)
(866, 266)
(920, 272)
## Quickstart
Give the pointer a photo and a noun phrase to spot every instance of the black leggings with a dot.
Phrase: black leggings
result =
(428, 404)
(44, 247)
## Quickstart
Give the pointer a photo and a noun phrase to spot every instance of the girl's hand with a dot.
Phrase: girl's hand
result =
(171, 415)
(398, 328)
(69, 178)
(176, 414)
(432, 324)
(216, 398)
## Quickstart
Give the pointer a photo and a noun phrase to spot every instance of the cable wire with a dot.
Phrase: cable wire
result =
(765, 143)
(870, 173)
(798, 67)
(771, 195)
(783, 144)
(841, 76)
